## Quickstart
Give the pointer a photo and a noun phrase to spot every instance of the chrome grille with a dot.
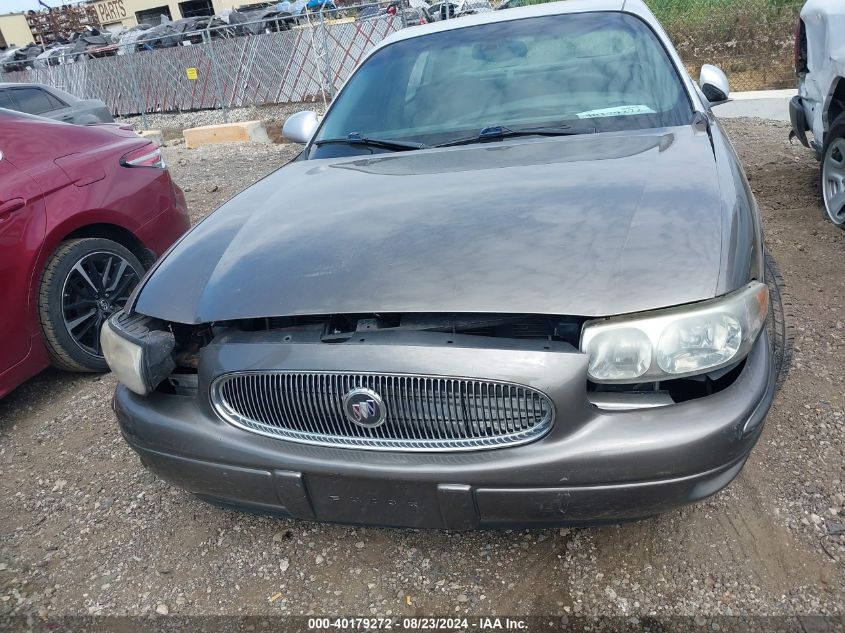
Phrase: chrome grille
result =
(423, 413)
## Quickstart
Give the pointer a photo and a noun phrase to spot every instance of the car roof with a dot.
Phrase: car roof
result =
(636, 7)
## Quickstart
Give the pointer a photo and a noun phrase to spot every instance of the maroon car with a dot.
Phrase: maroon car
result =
(83, 211)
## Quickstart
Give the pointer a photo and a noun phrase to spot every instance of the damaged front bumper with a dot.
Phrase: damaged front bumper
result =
(798, 121)
(800, 110)
(594, 465)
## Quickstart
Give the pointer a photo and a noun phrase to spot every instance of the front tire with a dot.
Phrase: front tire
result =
(779, 321)
(832, 172)
(84, 282)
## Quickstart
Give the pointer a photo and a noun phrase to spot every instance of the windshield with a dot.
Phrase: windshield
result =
(591, 71)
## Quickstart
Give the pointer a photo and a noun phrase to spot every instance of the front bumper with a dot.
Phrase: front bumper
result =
(798, 120)
(595, 466)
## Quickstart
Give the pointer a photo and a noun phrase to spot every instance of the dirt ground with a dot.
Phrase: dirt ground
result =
(86, 530)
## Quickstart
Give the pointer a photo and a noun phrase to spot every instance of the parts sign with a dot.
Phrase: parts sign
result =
(111, 11)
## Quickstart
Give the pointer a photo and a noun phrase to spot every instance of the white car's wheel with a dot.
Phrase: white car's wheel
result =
(833, 172)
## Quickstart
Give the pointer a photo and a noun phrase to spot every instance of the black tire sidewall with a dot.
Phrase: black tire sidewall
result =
(778, 321)
(64, 351)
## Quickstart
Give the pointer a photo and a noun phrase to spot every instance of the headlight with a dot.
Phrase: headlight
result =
(676, 342)
(138, 354)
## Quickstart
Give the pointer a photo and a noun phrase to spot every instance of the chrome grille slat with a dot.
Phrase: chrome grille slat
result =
(275, 400)
(477, 405)
(487, 410)
(447, 396)
(423, 413)
(325, 404)
(495, 413)
(306, 393)
(250, 402)
(290, 403)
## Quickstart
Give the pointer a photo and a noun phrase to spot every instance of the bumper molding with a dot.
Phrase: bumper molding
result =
(798, 121)
(338, 499)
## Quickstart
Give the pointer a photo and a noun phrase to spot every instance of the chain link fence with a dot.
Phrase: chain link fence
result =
(751, 40)
(308, 58)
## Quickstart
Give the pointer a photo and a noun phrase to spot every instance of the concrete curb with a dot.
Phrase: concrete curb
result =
(241, 132)
(758, 104)
(788, 93)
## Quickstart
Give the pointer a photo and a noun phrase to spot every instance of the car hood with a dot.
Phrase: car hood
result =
(585, 225)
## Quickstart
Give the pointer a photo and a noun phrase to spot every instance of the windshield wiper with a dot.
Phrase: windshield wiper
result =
(354, 138)
(499, 132)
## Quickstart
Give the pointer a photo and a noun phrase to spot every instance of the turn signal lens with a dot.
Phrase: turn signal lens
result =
(138, 353)
(125, 359)
(621, 354)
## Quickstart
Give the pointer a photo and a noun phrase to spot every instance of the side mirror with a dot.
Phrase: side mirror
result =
(300, 127)
(714, 84)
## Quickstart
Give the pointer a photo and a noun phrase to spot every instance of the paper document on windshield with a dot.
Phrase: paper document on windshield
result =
(615, 111)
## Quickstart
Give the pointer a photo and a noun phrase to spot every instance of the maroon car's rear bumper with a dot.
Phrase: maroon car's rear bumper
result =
(159, 233)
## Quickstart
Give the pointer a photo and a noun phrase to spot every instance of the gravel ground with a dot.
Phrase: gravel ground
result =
(86, 530)
(212, 174)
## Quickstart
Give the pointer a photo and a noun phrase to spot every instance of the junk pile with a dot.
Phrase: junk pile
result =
(253, 19)
(63, 50)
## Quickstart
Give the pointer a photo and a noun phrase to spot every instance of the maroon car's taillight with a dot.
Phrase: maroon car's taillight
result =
(800, 48)
(147, 156)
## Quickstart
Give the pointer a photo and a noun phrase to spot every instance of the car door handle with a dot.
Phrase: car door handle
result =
(10, 206)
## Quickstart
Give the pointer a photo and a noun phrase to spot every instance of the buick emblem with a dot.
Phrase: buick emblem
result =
(364, 407)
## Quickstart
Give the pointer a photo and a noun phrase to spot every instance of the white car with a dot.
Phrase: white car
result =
(819, 107)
